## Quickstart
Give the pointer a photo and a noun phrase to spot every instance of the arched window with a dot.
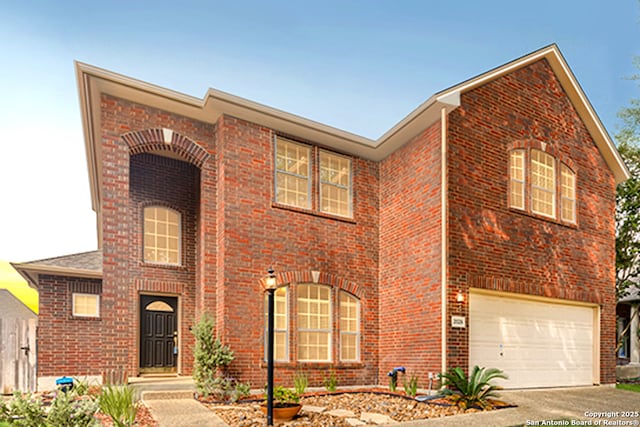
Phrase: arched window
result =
(314, 323)
(162, 235)
(568, 192)
(280, 325)
(543, 183)
(349, 328)
(548, 183)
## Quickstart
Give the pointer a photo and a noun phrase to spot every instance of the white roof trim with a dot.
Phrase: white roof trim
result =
(93, 81)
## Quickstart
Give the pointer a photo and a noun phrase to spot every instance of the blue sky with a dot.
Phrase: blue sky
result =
(357, 65)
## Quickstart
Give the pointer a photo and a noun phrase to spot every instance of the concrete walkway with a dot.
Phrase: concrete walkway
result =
(172, 404)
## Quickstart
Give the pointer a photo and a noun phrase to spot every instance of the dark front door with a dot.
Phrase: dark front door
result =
(158, 333)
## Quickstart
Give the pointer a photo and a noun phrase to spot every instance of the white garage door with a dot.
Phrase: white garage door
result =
(538, 344)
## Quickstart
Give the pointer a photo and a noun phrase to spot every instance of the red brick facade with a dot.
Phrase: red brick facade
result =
(494, 247)
(220, 177)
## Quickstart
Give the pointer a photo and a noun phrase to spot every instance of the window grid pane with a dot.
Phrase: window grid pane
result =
(314, 323)
(161, 236)
(349, 327)
(280, 325)
(517, 174)
(568, 192)
(292, 173)
(542, 183)
(86, 305)
(335, 184)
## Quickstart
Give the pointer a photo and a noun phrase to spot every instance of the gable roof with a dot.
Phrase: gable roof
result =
(93, 81)
(85, 264)
(11, 306)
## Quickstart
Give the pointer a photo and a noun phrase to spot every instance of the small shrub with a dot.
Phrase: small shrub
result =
(283, 396)
(118, 403)
(26, 410)
(300, 382)
(72, 409)
(228, 389)
(210, 355)
(411, 386)
(331, 382)
(474, 390)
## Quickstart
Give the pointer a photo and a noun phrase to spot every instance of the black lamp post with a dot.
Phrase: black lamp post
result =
(271, 284)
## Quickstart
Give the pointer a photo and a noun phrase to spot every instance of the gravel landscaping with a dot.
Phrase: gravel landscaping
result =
(341, 410)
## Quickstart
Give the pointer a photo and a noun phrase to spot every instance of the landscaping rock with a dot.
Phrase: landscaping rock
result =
(314, 409)
(370, 417)
(342, 413)
(350, 406)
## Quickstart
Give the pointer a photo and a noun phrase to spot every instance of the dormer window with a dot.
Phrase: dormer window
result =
(162, 236)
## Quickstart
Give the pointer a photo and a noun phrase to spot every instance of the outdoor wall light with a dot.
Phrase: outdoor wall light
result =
(460, 297)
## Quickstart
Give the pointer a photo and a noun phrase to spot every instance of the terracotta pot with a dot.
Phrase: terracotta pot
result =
(283, 413)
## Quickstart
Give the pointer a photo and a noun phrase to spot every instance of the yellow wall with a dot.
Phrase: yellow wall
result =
(11, 280)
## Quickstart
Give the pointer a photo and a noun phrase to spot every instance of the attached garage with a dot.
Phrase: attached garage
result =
(537, 342)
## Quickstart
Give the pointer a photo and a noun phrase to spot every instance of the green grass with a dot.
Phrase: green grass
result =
(630, 387)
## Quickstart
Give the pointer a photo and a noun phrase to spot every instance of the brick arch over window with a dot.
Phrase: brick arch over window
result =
(545, 147)
(292, 277)
(163, 139)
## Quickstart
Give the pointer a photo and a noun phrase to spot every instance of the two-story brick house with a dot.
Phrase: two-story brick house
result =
(478, 230)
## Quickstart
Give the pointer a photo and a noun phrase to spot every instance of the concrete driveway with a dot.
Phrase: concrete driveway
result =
(601, 405)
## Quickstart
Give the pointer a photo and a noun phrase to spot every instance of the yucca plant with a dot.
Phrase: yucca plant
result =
(118, 402)
(473, 390)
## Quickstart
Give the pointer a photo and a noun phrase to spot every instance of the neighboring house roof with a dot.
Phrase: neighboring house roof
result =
(633, 295)
(93, 82)
(85, 264)
(11, 306)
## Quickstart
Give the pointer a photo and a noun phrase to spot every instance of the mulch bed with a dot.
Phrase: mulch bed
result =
(397, 406)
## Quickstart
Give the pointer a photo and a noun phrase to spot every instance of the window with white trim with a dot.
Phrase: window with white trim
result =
(568, 194)
(543, 183)
(162, 235)
(280, 325)
(543, 190)
(85, 305)
(311, 178)
(349, 328)
(516, 173)
(314, 323)
(293, 171)
(335, 184)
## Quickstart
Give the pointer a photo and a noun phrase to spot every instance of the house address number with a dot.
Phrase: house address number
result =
(458, 322)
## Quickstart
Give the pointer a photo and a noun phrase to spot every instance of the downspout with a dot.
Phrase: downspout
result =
(443, 233)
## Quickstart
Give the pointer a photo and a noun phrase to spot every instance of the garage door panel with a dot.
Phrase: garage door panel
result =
(538, 344)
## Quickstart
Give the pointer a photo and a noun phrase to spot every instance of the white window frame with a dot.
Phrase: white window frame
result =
(167, 236)
(75, 313)
(328, 331)
(343, 332)
(277, 330)
(324, 182)
(513, 180)
(552, 191)
(565, 171)
(284, 172)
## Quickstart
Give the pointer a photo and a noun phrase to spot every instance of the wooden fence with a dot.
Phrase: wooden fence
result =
(17, 355)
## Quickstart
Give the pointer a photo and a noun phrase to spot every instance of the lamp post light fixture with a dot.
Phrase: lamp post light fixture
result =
(270, 285)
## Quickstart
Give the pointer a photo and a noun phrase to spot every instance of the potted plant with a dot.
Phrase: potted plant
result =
(286, 404)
